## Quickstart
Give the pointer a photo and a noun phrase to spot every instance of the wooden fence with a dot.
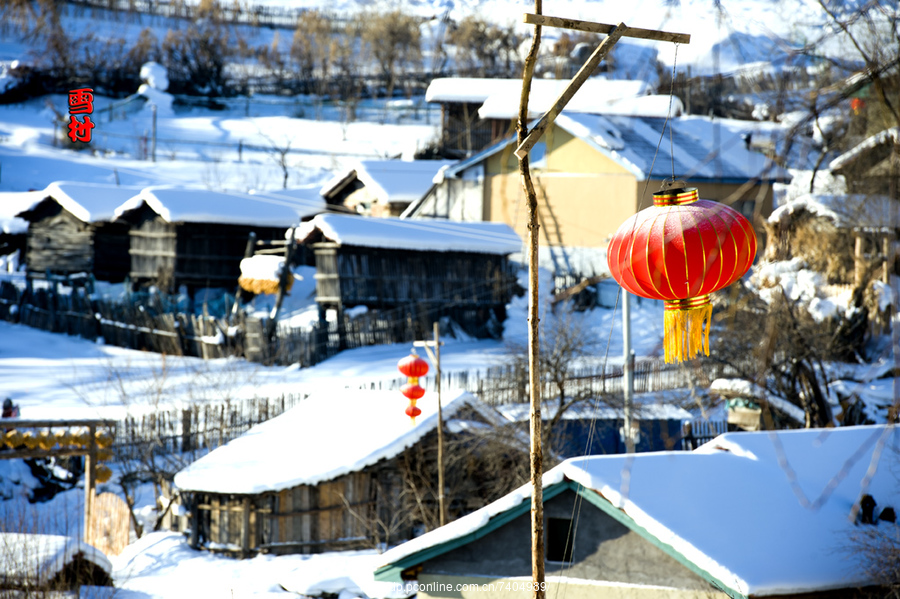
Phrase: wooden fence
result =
(224, 12)
(148, 326)
(195, 428)
(509, 383)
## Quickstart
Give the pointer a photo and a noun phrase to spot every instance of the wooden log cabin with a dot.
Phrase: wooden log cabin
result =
(71, 230)
(429, 268)
(334, 473)
(197, 237)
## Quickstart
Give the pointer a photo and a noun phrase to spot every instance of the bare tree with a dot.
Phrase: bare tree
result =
(395, 44)
(314, 49)
(484, 49)
(279, 152)
(564, 341)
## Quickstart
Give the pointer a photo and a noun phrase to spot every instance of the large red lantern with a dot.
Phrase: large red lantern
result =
(413, 367)
(680, 250)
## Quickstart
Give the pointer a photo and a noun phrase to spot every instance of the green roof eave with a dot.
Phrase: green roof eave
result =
(391, 572)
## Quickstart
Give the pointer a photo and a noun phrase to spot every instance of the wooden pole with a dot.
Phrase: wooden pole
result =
(90, 481)
(245, 526)
(435, 357)
(442, 504)
(526, 141)
(534, 375)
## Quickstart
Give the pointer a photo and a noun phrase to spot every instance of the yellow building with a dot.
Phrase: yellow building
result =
(591, 172)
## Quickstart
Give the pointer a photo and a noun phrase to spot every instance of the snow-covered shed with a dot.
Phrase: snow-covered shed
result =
(745, 515)
(839, 235)
(50, 563)
(382, 187)
(332, 473)
(592, 172)
(465, 130)
(431, 268)
(197, 237)
(873, 165)
(71, 230)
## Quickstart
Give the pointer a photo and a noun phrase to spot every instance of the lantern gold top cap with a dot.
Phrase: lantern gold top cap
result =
(676, 197)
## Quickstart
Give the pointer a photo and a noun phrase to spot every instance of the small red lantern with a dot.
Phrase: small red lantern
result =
(412, 391)
(680, 250)
(413, 367)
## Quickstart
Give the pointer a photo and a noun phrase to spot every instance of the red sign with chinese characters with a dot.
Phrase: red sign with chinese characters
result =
(81, 101)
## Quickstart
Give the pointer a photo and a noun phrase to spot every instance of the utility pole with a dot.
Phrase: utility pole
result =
(435, 357)
(628, 372)
(526, 140)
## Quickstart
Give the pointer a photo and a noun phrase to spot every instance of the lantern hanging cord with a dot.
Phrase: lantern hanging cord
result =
(669, 111)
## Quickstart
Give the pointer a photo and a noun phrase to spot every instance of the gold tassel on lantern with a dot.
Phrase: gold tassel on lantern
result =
(687, 325)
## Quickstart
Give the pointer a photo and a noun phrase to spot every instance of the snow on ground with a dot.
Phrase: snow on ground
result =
(55, 376)
(216, 149)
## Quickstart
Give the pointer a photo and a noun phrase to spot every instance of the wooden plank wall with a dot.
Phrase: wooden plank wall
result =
(58, 242)
(391, 278)
(152, 250)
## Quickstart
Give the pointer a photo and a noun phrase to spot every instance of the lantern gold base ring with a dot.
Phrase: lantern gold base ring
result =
(687, 323)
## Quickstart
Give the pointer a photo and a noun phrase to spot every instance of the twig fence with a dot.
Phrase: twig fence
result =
(148, 326)
(195, 428)
(232, 14)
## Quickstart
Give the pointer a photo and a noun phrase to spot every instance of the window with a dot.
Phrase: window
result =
(560, 539)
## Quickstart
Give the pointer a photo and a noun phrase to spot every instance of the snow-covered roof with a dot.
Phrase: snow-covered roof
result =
(37, 558)
(400, 181)
(637, 143)
(327, 435)
(88, 202)
(506, 105)
(407, 234)
(845, 210)
(883, 137)
(306, 200)
(475, 89)
(789, 492)
(187, 204)
(743, 388)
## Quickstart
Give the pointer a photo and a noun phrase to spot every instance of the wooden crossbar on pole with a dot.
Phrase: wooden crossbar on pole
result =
(590, 27)
(615, 32)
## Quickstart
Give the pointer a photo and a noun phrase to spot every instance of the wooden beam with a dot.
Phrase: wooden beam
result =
(590, 27)
(614, 33)
(580, 77)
